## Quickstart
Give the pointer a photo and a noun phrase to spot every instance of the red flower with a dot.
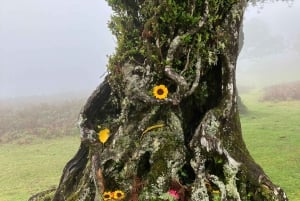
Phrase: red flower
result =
(174, 194)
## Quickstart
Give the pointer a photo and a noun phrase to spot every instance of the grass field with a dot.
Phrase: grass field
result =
(271, 131)
(28, 169)
(272, 134)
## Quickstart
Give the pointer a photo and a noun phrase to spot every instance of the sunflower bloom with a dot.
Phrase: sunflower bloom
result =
(103, 135)
(119, 195)
(160, 91)
(107, 195)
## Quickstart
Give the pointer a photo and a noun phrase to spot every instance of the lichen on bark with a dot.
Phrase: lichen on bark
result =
(189, 142)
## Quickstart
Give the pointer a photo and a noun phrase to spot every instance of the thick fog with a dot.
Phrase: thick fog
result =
(271, 52)
(54, 46)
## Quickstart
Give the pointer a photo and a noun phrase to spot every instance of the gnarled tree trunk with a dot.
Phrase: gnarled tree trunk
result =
(169, 110)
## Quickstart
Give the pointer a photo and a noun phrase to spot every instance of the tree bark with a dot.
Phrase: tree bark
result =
(182, 145)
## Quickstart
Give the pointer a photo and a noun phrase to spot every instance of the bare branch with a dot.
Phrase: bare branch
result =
(197, 78)
(182, 84)
(187, 61)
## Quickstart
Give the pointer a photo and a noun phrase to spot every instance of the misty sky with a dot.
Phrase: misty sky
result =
(54, 46)
(271, 52)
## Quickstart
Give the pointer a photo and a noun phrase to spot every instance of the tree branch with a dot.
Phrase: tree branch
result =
(182, 84)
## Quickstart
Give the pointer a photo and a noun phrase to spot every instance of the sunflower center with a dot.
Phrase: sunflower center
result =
(160, 91)
(119, 195)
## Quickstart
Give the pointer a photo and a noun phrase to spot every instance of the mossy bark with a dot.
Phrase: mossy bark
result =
(189, 142)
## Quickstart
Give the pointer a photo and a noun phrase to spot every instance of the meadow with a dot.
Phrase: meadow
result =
(271, 131)
(30, 168)
(37, 138)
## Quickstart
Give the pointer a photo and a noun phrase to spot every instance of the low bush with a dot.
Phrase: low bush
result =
(282, 92)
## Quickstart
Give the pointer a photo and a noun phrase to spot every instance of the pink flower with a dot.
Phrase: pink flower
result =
(174, 194)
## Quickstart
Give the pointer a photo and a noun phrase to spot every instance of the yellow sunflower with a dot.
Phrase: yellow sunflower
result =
(103, 135)
(160, 91)
(119, 195)
(107, 195)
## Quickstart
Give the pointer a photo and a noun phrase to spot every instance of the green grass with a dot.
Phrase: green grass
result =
(271, 131)
(28, 169)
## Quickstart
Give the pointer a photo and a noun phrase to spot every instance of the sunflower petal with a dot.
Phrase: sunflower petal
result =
(103, 135)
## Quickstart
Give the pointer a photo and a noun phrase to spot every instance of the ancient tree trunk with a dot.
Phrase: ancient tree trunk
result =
(164, 123)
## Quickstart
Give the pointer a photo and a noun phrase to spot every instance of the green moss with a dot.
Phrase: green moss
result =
(153, 26)
(266, 193)
(46, 196)
(73, 197)
(158, 168)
